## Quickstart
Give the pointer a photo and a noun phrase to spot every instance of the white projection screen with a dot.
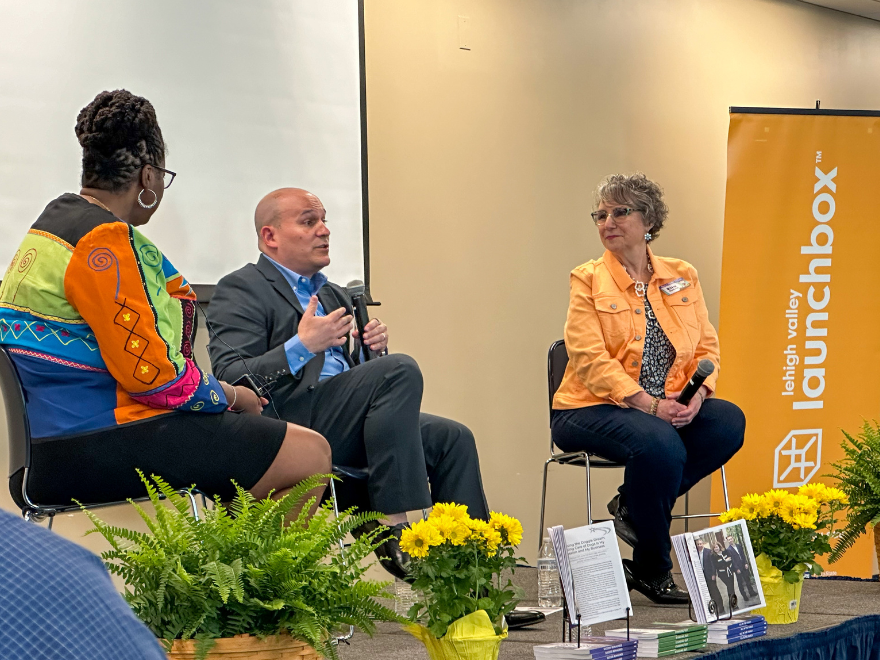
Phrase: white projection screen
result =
(251, 96)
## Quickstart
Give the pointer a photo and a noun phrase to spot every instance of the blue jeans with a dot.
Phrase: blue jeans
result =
(662, 462)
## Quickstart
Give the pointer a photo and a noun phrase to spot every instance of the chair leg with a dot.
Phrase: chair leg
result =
(724, 488)
(589, 495)
(336, 513)
(340, 638)
(51, 520)
(192, 503)
(543, 505)
(687, 510)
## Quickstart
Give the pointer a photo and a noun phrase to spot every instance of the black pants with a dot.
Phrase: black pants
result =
(370, 416)
(727, 579)
(745, 585)
(715, 594)
(662, 462)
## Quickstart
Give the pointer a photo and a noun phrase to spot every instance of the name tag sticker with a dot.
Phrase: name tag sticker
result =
(675, 286)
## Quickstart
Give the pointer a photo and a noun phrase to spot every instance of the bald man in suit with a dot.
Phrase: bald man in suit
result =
(293, 328)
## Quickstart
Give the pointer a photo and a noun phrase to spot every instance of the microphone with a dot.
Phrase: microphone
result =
(357, 291)
(704, 370)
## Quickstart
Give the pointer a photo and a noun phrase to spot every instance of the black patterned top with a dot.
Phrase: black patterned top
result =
(658, 357)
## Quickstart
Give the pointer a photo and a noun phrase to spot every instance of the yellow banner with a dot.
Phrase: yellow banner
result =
(800, 298)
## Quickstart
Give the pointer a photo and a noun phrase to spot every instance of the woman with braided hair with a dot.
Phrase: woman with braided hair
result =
(100, 326)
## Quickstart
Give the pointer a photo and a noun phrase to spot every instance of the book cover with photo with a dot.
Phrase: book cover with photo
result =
(718, 566)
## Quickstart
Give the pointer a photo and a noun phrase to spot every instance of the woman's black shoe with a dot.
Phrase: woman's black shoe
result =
(622, 524)
(661, 590)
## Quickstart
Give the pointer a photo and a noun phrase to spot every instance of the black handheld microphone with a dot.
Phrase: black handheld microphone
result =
(356, 290)
(704, 370)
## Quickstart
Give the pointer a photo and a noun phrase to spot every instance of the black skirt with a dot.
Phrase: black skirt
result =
(185, 449)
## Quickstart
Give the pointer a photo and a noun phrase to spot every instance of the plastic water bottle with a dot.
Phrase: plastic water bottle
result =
(406, 597)
(549, 589)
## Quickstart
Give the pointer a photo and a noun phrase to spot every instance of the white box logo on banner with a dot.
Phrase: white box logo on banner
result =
(797, 458)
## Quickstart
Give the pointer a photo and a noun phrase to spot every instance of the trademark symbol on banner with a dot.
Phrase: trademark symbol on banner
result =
(797, 458)
(818, 156)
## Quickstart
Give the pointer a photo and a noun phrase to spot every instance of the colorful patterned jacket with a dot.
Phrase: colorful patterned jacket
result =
(99, 324)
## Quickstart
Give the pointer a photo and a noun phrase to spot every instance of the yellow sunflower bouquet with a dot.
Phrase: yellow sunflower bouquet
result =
(456, 566)
(791, 529)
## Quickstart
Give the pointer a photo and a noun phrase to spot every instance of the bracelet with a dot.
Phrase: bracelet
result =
(234, 399)
(655, 402)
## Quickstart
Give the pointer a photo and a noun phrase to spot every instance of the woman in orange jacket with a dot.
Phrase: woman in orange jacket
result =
(637, 326)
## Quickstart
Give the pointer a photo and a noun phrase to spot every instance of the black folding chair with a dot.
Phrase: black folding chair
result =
(557, 360)
(19, 433)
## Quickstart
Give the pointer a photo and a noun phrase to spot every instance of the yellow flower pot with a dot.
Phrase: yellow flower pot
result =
(471, 637)
(783, 598)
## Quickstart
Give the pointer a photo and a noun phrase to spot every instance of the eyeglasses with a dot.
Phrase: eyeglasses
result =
(601, 217)
(168, 176)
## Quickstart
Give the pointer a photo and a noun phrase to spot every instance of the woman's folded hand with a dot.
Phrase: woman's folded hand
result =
(685, 415)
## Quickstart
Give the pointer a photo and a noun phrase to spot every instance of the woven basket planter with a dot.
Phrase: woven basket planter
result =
(278, 647)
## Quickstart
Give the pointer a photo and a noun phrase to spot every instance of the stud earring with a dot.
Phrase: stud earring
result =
(148, 206)
(647, 236)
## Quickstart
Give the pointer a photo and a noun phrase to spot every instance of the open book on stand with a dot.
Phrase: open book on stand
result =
(718, 566)
(594, 589)
(591, 573)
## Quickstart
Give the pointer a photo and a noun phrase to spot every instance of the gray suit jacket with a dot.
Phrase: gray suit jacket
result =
(254, 310)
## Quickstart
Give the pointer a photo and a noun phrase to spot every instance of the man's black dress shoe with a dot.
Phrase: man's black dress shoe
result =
(391, 557)
(661, 590)
(522, 619)
(622, 524)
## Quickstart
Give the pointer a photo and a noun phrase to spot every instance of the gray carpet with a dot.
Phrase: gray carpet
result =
(824, 603)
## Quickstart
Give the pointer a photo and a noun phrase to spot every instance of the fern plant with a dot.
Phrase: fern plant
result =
(243, 569)
(858, 475)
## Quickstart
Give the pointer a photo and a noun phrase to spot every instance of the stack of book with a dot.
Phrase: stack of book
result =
(659, 639)
(737, 629)
(591, 648)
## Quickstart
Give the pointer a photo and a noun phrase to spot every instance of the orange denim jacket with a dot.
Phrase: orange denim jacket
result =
(605, 331)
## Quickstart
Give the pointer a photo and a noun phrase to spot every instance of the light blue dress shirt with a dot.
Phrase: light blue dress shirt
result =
(297, 354)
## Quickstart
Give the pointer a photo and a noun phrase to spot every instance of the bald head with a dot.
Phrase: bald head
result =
(278, 203)
(291, 230)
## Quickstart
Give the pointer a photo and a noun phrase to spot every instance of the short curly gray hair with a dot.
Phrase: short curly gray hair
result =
(639, 192)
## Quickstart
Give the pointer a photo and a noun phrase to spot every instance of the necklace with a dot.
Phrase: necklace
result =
(641, 287)
(96, 201)
(642, 290)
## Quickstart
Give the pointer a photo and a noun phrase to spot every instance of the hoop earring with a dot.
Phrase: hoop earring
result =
(148, 206)
(647, 233)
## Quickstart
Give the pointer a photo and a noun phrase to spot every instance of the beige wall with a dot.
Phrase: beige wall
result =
(482, 164)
